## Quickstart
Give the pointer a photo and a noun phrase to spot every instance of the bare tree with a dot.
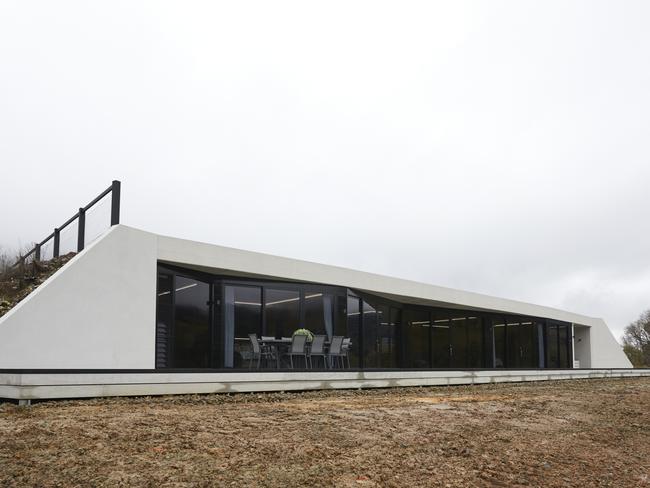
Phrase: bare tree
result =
(636, 341)
(6, 260)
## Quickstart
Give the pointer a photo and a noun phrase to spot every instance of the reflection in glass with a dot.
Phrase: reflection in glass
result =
(389, 319)
(513, 352)
(352, 328)
(499, 335)
(564, 345)
(243, 311)
(459, 342)
(552, 349)
(475, 341)
(319, 308)
(282, 308)
(522, 344)
(417, 324)
(370, 337)
(441, 341)
(192, 324)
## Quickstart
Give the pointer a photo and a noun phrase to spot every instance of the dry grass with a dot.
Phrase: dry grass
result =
(16, 282)
(569, 433)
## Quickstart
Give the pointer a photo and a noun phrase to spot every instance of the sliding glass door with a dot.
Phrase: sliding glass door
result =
(243, 316)
(191, 343)
(416, 327)
(441, 340)
(558, 345)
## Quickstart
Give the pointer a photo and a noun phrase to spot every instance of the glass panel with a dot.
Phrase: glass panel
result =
(192, 325)
(417, 324)
(539, 337)
(499, 333)
(282, 309)
(243, 317)
(388, 319)
(352, 328)
(319, 308)
(522, 344)
(552, 346)
(529, 355)
(563, 336)
(370, 337)
(459, 357)
(440, 341)
(512, 342)
(474, 342)
(164, 319)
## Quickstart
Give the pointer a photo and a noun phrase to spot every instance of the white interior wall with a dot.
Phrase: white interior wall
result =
(582, 346)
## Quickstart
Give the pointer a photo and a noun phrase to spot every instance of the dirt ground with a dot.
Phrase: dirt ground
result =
(568, 433)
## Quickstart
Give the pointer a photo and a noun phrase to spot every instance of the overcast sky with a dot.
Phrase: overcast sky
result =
(498, 147)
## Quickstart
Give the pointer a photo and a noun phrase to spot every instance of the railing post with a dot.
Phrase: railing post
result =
(81, 230)
(57, 239)
(115, 202)
(37, 252)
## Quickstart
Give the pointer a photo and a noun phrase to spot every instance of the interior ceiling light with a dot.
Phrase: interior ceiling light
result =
(283, 301)
(186, 287)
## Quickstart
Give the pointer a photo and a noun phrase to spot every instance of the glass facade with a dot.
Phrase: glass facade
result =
(222, 322)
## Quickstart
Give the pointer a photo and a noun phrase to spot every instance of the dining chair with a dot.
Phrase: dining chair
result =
(318, 350)
(298, 348)
(345, 349)
(259, 352)
(335, 354)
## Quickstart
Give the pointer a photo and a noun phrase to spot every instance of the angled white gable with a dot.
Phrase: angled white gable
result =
(97, 311)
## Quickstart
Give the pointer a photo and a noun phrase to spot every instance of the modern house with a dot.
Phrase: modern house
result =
(139, 313)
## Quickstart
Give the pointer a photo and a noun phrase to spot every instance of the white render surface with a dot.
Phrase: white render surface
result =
(35, 386)
(98, 311)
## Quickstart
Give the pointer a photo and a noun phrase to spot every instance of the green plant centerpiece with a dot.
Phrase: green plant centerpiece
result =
(306, 332)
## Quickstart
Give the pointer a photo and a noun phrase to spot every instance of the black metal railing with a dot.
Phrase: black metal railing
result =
(114, 190)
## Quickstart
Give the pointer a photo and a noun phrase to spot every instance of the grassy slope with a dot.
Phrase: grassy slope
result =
(16, 283)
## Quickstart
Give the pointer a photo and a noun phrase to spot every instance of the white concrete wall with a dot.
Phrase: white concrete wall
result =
(98, 311)
(606, 352)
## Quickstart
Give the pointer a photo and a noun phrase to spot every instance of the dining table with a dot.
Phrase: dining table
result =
(280, 344)
(276, 345)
